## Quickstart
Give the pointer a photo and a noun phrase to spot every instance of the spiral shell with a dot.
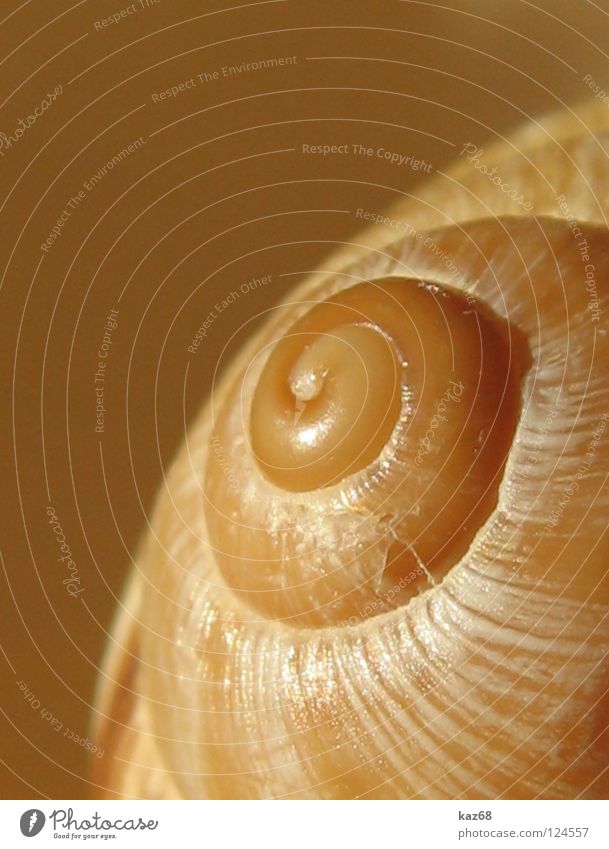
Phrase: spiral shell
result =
(378, 566)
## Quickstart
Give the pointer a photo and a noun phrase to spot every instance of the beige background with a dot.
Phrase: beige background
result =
(219, 192)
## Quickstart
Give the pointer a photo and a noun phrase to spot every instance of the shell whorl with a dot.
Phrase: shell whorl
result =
(363, 616)
(347, 507)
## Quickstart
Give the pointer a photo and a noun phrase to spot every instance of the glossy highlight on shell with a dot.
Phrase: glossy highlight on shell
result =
(378, 566)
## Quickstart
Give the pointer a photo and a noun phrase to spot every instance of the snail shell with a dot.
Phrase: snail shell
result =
(378, 566)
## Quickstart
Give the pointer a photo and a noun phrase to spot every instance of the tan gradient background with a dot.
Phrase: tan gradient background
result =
(219, 192)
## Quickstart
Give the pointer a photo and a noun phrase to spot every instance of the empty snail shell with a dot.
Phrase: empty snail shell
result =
(378, 566)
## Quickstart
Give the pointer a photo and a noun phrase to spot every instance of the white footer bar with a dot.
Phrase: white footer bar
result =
(306, 825)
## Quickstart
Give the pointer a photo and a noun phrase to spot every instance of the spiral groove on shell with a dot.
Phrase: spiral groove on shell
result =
(333, 611)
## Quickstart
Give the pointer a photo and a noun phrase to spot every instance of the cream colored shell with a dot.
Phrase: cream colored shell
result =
(492, 682)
